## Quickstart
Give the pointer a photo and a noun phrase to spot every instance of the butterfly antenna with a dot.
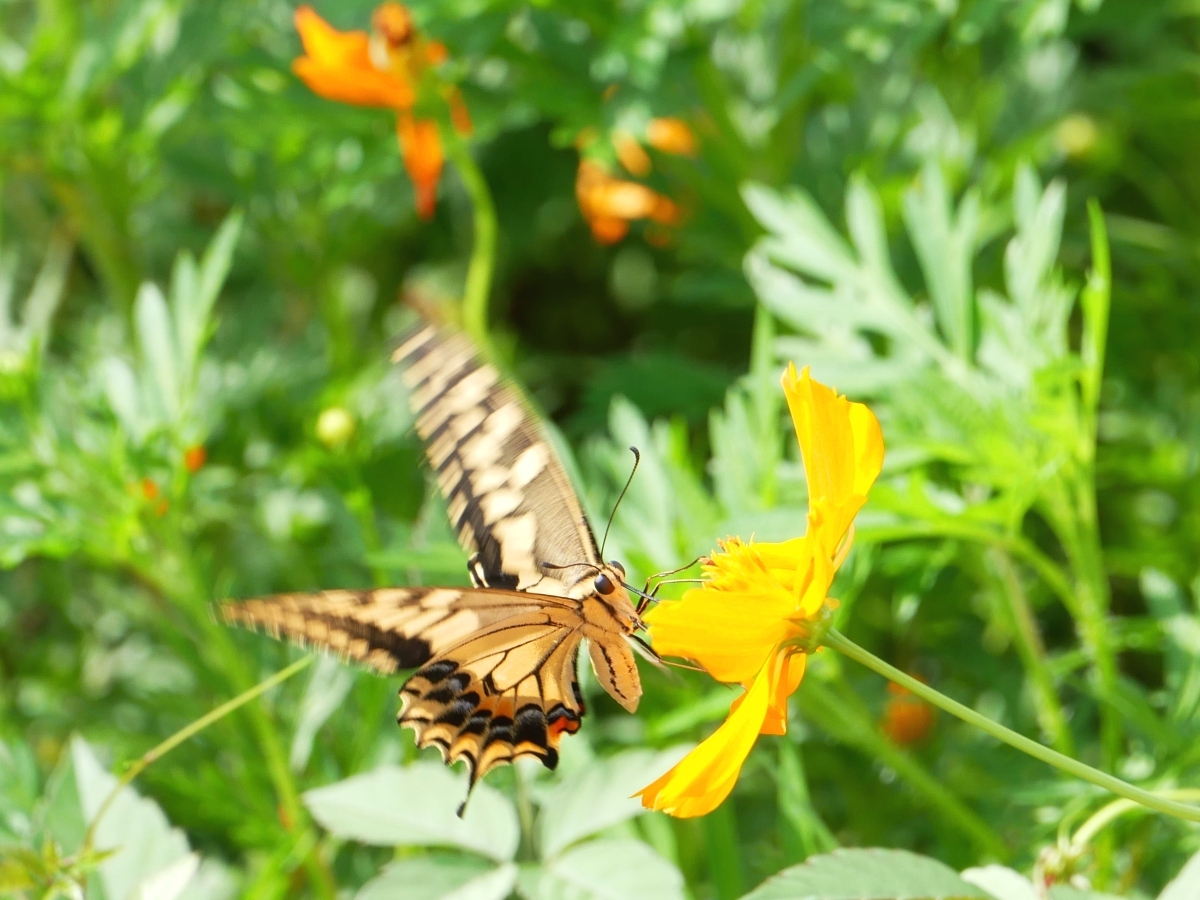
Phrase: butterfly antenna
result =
(637, 458)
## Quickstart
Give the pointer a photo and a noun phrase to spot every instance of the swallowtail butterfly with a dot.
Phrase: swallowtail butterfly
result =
(496, 664)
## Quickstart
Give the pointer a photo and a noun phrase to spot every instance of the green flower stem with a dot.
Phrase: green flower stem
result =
(182, 735)
(1108, 814)
(838, 641)
(483, 253)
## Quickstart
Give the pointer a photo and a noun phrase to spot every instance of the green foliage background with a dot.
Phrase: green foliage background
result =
(894, 191)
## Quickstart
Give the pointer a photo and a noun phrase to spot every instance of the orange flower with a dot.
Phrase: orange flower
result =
(671, 136)
(194, 458)
(757, 615)
(907, 719)
(609, 204)
(382, 69)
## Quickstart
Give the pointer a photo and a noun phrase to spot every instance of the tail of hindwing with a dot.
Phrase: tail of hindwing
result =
(451, 708)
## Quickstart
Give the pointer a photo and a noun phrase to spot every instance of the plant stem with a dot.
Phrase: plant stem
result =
(838, 641)
(182, 735)
(1033, 654)
(483, 253)
(1117, 808)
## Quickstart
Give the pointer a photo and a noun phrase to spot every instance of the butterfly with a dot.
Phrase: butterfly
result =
(496, 664)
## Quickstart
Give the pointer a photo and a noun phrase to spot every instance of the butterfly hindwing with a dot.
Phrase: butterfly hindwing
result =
(497, 677)
(509, 499)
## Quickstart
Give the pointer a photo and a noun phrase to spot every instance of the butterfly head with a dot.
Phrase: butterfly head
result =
(609, 585)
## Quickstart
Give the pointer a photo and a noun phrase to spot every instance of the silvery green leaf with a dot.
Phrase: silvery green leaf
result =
(599, 795)
(441, 876)
(169, 882)
(864, 221)
(214, 265)
(185, 282)
(416, 806)
(800, 234)
(610, 869)
(159, 353)
(867, 875)
(327, 688)
(1185, 885)
(945, 246)
(805, 307)
(121, 390)
(135, 827)
(1001, 882)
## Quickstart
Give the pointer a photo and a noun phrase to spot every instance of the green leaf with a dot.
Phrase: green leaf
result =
(599, 795)
(327, 688)
(874, 874)
(169, 882)
(1185, 885)
(1067, 892)
(135, 827)
(159, 352)
(618, 869)
(1002, 882)
(416, 806)
(441, 876)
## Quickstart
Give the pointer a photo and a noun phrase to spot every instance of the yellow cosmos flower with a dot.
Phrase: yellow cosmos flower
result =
(753, 619)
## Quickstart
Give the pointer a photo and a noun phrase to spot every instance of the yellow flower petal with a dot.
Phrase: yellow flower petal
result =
(731, 624)
(703, 779)
(842, 446)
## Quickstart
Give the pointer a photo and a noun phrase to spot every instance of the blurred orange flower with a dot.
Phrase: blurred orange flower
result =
(609, 203)
(382, 69)
(907, 719)
(754, 619)
(671, 136)
(194, 458)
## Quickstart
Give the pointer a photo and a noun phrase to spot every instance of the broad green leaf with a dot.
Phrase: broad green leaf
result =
(1002, 882)
(599, 795)
(416, 805)
(170, 881)
(1067, 892)
(441, 876)
(617, 869)
(135, 827)
(874, 874)
(1185, 885)
(327, 688)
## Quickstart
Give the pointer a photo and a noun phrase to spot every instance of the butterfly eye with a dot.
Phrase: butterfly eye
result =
(616, 565)
(604, 584)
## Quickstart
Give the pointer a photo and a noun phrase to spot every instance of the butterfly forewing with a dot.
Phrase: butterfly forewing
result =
(496, 665)
(510, 502)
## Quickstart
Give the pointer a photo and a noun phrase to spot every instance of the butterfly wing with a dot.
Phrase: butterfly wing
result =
(497, 677)
(509, 499)
(497, 664)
